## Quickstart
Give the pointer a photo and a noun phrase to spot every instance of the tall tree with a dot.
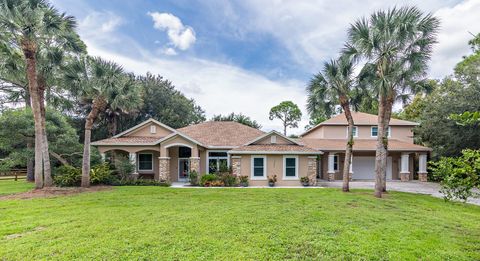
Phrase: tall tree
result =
(335, 86)
(288, 112)
(29, 25)
(397, 45)
(98, 84)
(240, 118)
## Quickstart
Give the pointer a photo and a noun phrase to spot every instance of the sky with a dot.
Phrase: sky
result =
(247, 56)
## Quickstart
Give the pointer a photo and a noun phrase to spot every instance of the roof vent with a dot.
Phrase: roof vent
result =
(153, 129)
(273, 139)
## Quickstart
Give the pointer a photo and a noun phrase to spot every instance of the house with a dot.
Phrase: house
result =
(163, 153)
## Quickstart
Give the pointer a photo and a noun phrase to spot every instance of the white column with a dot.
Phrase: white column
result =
(351, 164)
(422, 163)
(133, 159)
(331, 162)
(404, 164)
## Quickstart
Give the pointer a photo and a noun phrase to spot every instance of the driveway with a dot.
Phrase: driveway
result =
(428, 188)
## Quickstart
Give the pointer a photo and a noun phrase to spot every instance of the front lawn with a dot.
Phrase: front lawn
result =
(12, 186)
(238, 224)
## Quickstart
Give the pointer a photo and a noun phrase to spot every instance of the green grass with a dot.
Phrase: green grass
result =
(12, 186)
(238, 224)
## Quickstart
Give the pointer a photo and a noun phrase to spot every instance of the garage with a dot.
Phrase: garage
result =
(364, 167)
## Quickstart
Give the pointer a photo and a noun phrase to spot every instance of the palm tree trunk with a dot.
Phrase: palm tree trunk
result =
(349, 148)
(30, 162)
(112, 126)
(380, 153)
(96, 107)
(29, 50)
(47, 173)
(387, 116)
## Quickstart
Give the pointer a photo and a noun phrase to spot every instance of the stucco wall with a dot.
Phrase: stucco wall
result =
(404, 133)
(267, 140)
(132, 149)
(274, 167)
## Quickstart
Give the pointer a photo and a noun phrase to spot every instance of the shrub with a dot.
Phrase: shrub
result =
(228, 179)
(101, 174)
(304, 180)
(124, 167)
(140, 182)
(67, 176)
(193, 178)
(459, 176)
(207, 179)
(243, 180)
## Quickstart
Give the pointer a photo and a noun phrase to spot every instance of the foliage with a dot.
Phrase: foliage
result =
(272, 178)
(101, 174)
(240, 118)
(288, 112)
(459, 176)
(243, 180)
(140, 182)
(193, 178)
(228, 179)
(18, 130)
(123, 167)
(67, 176)
(207, 179)
(466, 118)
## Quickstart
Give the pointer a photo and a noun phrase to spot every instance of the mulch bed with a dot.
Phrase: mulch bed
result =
(54, 192)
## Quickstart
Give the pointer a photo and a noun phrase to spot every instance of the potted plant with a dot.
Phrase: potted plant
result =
(193, 178)
(243, 180)
(271, 180)
(305, 181)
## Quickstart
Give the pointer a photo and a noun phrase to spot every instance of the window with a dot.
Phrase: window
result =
(355, 131)
(335, 163)
(153, 129)
(374, 132)
(184, 152)
(216, 161)
(290, 170)
(145, 161)
(259, 169)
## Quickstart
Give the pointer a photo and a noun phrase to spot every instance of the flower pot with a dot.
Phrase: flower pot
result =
(305, 183)
(271, 184)
(244, 184)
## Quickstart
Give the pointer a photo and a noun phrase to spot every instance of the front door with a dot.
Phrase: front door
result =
(183, 169)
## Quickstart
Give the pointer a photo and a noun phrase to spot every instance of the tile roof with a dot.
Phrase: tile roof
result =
(273, 148)
(361, 145)
(221, 133)
(133, 140)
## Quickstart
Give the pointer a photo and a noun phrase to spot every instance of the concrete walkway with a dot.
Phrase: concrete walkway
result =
(428, 188)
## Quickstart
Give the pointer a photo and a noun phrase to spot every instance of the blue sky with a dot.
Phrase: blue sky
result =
(246, 56)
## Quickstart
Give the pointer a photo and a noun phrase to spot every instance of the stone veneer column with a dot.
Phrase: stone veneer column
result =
(237, 165)
(195, 164)
(422, 167)
(164, 169)
(404, 172)
(331, 162)
(312, 170)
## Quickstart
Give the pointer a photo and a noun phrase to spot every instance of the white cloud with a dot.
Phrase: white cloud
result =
(180, 36)
(100, 22)
(169, 51)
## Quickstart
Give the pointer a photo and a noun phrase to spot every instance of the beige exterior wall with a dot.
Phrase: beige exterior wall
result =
(144, 131)
(131, 149)
(403, 133)
(274, 167)
(178, 141)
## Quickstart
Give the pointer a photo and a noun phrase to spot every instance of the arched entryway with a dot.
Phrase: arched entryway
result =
(180, 161)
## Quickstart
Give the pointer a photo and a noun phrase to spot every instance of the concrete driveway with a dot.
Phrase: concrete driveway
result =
(428, 188)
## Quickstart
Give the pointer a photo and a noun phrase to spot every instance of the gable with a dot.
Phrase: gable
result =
(273, 138)
(151, 129)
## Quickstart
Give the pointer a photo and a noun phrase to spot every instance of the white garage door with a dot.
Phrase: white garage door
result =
(364, 167)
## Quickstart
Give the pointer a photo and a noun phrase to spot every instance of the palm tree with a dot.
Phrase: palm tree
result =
(334, 86)
(28, 25)
(396, 44)
(99, 84)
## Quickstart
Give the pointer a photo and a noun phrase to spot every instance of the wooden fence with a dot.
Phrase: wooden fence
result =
(14, 174)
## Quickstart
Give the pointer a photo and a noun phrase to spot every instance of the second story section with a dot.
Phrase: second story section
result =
(365, 128)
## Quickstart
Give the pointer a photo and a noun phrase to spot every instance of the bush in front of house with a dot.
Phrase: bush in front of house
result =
(123, 167)
(67, 176)
(140, 182)
(193, 178)
(101, 174)
(208, 179)
(228, 179)
(460, 176)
